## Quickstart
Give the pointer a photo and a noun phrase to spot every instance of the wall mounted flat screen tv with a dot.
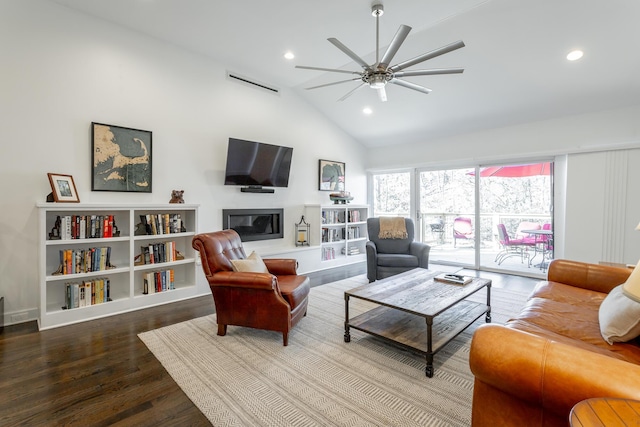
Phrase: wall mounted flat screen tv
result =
(256, 164)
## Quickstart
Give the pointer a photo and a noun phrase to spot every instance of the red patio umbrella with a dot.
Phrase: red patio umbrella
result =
(516, 171)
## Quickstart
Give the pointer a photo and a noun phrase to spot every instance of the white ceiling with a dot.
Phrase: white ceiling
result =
(514, 59)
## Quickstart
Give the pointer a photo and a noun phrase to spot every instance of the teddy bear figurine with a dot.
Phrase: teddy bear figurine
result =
(176, 196)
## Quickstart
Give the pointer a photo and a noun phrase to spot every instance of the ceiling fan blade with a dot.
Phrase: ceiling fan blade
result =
(331, 84)
(382, 94)
(410, 85)
(333, 70)
(351, 92)
(349, 53)
(434, 53)
(432, 72)
(397, 41)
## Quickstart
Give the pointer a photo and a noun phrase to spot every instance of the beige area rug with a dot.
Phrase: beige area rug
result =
(248, 378)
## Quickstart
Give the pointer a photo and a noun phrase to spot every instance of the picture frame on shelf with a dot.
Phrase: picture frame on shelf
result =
(121, 159)
(63, 189)
(331, 175)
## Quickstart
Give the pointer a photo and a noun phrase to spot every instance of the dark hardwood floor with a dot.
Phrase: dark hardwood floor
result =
(100, 373)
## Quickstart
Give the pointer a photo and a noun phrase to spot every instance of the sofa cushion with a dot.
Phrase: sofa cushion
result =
(398, 260)
(619, 317)
(569, 314)
(251, 264)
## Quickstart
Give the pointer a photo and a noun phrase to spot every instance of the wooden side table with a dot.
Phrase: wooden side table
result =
(605, 412)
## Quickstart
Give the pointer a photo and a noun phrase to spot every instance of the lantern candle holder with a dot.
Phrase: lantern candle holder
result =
(302, 232)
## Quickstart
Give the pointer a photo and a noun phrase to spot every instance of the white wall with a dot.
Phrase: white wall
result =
(588, 132)
(61, 70)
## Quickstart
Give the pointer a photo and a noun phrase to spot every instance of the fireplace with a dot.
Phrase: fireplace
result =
(254, 224)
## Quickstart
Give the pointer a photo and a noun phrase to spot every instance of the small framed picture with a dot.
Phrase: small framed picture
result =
(121, 159)
(63, 189)
(331, 176)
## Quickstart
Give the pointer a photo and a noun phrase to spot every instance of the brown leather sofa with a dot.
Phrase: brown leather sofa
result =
(274, 301)
(534, 369)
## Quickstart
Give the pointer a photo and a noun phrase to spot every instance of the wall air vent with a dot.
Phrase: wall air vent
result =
(246, 81)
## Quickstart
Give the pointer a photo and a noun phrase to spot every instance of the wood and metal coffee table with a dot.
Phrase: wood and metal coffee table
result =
(416, 312)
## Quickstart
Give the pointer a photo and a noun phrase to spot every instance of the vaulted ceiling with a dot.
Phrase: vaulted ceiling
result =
(515, 62)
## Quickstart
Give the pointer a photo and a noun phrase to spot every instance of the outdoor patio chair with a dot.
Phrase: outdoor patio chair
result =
(526, 237)
(512, 247)
(462, 230)
(437, 229)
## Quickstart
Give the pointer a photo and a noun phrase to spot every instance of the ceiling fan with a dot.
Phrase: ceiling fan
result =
(378, 74)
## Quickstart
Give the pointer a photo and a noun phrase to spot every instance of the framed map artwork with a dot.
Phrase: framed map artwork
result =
(121, 159)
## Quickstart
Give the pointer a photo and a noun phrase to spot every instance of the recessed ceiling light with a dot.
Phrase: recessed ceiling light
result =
(575, 55)
(367, 110)
(289, 55)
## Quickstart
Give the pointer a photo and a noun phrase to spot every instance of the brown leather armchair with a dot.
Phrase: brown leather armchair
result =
(274, 301)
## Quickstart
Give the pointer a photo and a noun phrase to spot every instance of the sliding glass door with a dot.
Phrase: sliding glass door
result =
(516, 211)
(446, 214)
(494, 217)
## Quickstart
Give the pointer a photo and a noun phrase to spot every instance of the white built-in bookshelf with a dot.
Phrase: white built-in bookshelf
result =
(101, 247)
(340, 230)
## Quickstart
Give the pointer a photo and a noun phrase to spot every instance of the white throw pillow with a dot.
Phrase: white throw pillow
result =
(251, 264)
(619, 317)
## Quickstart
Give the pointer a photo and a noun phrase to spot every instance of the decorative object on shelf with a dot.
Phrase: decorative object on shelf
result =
(342, 197)
(121, 159)
(63, 189)
(302, 232)
(332, 176)
(55, 230)
(176, 196)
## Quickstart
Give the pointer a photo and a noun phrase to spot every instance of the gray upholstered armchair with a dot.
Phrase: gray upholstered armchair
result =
(386, 257)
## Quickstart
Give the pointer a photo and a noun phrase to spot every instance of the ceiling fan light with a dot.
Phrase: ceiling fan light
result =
(575, 55)
(377, 81)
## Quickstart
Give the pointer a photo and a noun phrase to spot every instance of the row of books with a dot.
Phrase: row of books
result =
(330, 216)
(70, 227)
(332, 234)
(158, 252)
(166, 223)
(354, 216)
(74, 261)
(328, 253)
(353, 232)
(158, 281)
(87, 293)
(333, 216)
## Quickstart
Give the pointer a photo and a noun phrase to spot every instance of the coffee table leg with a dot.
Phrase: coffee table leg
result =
(488, 317)
(347, 335)
(429, 368)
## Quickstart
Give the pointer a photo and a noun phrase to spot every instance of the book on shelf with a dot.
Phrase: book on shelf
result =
(454, 279)
(74, 261)
(156, 224)
(85, 226)
(87, 293)
(158, 281)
